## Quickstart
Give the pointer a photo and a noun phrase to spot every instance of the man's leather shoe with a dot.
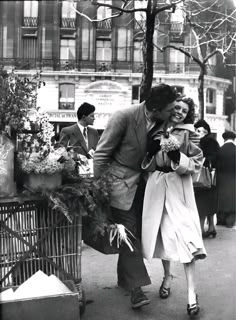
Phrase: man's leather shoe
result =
(138, 298)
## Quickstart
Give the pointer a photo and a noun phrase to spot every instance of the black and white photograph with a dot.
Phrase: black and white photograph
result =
(117, 159)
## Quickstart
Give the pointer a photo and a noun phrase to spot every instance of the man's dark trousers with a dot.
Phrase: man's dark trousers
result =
(131, 269)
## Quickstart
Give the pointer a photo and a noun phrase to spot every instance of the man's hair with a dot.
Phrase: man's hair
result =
(84, 110)
(228, 135)
(160, 96)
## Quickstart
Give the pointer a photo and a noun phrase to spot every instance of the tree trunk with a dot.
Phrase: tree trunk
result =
(147, 76)
(201, 91)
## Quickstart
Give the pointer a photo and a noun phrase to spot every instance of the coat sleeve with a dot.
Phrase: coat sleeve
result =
(190, 162)
(109, 142)
(64, 138)
(148, 165)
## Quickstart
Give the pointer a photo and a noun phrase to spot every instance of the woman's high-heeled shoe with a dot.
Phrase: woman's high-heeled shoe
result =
(193, 309)
(208, 234)
(163, 291)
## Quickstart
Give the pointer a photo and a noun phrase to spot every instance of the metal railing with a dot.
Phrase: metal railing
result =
(31, 22)
(100, 66)
(177, 27)
(104, 25)
(68, 23)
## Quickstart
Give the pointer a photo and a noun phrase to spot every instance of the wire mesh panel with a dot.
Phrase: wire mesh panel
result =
(33, 237)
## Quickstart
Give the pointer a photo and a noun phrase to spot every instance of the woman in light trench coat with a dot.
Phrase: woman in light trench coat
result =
(170, 224)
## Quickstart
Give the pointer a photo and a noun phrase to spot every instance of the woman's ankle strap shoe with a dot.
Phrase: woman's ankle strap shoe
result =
(163, 291)
(193, 309)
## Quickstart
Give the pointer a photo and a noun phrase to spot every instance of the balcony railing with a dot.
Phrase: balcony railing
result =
(104, 25)
(177, 27)
(66, 105)
(97, 66)
(30, 22)
(68, 23)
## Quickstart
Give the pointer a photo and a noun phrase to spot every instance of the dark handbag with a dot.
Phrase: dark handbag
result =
(98, 239)
(203, 178)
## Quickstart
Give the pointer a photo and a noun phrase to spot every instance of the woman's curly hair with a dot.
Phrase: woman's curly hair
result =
(191, 113)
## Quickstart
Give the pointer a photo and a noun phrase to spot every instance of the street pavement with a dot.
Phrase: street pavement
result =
(216, 285)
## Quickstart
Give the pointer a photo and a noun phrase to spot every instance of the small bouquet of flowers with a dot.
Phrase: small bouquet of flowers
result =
(168, 141)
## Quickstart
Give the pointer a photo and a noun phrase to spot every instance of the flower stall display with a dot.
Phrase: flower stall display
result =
(7, 185)
(17, 96)
(39, 157)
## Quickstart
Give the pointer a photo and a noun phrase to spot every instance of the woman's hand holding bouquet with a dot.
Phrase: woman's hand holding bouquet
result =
(170, 145)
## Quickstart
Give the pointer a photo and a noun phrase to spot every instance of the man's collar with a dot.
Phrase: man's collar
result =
(229, 140)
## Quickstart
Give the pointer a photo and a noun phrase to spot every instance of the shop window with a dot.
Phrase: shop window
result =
(67, 96)
(210, 101)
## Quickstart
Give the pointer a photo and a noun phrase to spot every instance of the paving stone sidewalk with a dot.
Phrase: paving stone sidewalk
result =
(216, 283)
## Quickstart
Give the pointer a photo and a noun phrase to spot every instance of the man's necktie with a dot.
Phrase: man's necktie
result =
(85, 132)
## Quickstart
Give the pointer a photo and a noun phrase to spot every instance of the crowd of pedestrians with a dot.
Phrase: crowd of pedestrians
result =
(152, 151)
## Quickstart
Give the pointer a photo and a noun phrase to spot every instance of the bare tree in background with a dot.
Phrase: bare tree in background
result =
(211, 27)
(150, 9)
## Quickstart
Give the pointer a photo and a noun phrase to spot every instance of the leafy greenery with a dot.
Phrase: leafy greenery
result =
(17, 96)
(88, 196)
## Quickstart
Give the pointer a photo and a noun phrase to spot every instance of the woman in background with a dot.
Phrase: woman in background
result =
(206, 198)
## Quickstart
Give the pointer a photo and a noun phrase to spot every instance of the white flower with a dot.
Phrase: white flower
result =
(169, 143)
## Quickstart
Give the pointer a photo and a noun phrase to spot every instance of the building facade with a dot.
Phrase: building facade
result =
(98, 62)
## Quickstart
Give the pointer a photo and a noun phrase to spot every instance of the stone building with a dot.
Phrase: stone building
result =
(99, 62)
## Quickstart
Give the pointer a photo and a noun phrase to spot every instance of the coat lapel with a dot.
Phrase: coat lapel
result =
(140, 128)
(79, 137)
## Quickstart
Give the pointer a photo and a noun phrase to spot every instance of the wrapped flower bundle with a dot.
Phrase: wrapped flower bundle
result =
(169, 142)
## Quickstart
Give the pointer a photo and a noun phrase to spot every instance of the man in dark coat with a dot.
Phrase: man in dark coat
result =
(226, 177)
(81, 137)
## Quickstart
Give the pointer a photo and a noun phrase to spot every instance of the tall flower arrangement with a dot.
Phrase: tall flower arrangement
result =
(17, 96)
(37, 152)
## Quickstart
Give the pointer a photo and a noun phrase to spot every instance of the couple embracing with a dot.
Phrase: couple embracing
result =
(149, 149)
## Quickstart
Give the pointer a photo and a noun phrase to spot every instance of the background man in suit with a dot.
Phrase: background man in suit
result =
(122, 148)
(80, 136)
(226, 179)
